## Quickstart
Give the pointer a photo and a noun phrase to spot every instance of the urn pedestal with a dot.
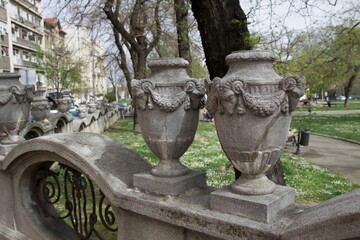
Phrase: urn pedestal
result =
(167, 104)
(252, 108)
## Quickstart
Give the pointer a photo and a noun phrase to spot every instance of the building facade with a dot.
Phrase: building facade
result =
(21, 33)
(90, 52)
(23, 30)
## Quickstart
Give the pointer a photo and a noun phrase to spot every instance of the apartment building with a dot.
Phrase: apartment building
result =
(91, 52)
(21, 32)
(5, 64)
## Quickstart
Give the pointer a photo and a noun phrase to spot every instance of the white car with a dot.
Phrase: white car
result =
(341, 98)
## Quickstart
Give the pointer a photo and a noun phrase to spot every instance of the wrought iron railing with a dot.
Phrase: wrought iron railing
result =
(77, 200)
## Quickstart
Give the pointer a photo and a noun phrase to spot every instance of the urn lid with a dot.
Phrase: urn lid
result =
(168, 62)
(250, 55)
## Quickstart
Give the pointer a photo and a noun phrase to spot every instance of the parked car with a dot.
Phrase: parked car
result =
(340, 98)
(122, 106)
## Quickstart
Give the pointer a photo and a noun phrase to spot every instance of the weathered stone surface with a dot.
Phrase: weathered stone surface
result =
(6, 201)
(337, 218)
(142, 215)
(168, 105)
(252, 107)
(5, 149)
(15, 102)
(169, 186)
(154, 229)
(109, 164)
(261, 208)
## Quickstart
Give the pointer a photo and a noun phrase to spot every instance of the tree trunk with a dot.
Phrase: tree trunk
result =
(350, 84)
(182, 28)
(276, 173)
(223, 29)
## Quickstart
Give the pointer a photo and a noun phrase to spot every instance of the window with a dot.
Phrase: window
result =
(26, 56)
(2, 31)
(4, 51)
(39, 40)
(31, 18)
(2, 3)
(16, 53)
(31, 36)
(22, 15)
(37, 21)
(3, 28)
(33, 58)
(24, 35)
(13, 10)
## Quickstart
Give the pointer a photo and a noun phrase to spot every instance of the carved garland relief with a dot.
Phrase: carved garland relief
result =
(261, 99)
(146, 95)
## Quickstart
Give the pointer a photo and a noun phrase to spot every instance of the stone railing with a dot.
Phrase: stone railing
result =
(35, 171)
(86, 186)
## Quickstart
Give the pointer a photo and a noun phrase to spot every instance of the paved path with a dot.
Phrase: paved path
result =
(337, 155)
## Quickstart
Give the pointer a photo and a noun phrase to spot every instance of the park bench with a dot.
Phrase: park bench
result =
(327, 105)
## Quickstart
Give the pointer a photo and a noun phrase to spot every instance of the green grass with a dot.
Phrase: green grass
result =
(353, 105)
(312, 183)
(342, 126)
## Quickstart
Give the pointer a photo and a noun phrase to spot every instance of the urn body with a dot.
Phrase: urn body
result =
(252, 107)
(167, 104)
(15, 102)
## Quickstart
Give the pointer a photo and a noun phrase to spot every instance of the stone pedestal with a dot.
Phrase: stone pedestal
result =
(169, 185)
(262, 208)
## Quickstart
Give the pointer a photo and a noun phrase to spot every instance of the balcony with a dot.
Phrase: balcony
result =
(26, 43)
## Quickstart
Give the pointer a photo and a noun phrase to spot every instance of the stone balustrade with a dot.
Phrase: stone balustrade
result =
(78, 184)
(25, 213)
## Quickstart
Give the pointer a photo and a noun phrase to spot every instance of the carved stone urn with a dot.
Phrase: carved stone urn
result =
(64, 104)
(252, 107)
(99, 104)
(40, 106)
(15, 102)
(82, 111)
(167, 104)
(91, 108)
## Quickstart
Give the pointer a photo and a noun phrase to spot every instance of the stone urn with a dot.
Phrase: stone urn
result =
(91, 108)
(252, 107)
(15, 102)
(82, 111)
(40, 106)
(64, 104)
(167, 104)
(99, 104)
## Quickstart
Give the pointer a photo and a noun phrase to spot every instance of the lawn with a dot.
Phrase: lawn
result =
(353, 105)
(312, 183)
(342, 126)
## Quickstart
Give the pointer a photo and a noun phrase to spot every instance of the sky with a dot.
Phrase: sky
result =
(298, 15)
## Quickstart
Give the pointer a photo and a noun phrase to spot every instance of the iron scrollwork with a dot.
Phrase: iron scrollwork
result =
(76, 200)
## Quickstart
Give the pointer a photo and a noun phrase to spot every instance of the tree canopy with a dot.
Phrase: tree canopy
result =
(62, 71)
